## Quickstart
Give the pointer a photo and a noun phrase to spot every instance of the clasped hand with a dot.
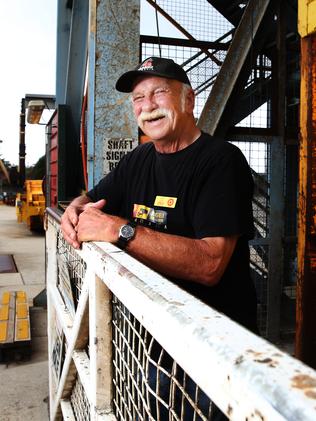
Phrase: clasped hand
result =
(89, 223)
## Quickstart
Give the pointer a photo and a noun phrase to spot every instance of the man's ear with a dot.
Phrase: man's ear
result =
(190, 100)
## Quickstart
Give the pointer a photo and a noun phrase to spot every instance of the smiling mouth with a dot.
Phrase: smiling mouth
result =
(152, 120)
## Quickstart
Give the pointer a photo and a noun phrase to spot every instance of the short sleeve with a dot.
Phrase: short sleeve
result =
(222, 204)
(111, 188)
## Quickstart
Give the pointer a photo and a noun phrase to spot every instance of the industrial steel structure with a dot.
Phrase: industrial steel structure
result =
(245, 60)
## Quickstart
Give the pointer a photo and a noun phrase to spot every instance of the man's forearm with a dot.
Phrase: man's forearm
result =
(199, 260)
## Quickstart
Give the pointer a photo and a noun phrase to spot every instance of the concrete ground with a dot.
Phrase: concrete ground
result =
(24, 384)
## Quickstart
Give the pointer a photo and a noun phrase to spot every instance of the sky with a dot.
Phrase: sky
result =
(28, 60)
(28, 55)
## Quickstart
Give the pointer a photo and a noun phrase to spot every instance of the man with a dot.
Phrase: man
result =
(181, 204)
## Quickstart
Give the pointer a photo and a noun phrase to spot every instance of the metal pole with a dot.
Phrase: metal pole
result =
(22, 145)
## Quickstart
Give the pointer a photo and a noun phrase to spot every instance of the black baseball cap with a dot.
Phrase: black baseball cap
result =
(154, 66)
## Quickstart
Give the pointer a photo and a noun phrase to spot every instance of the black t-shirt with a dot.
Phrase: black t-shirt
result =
(204, 190)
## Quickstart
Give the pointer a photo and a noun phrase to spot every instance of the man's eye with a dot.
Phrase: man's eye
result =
(137, 98)
(160, 91)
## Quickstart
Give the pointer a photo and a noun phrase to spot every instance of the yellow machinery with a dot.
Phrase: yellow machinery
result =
(30, 206)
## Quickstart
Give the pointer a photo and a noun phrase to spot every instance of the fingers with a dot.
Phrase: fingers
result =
(98, 205)
(69, 221)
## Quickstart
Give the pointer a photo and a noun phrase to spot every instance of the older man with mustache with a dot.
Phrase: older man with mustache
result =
(181, 203)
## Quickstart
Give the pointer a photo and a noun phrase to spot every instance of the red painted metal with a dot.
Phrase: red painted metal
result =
(53, 162)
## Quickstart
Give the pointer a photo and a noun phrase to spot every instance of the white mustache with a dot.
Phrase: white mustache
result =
(158, 113)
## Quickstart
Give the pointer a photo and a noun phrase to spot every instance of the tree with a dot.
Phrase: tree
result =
(37, 172)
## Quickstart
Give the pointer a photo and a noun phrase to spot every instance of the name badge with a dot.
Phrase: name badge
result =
(165, 202)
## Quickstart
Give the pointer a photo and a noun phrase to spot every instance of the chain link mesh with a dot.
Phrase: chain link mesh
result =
(73, 269)
(258, 157)
(79, 402)
(148, 383)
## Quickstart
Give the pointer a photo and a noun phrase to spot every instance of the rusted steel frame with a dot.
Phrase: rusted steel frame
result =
(184, 31)
(233, 65)
(306, 252)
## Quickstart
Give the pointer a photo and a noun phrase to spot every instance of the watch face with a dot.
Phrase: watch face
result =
(127, 232)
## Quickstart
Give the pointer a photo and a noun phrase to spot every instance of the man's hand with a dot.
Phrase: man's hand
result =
(94, 225)
(70, 218)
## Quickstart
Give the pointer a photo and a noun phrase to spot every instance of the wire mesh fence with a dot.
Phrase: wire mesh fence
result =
(258, 157)
(79, 402)
(148, 383)
(203, 22)
(197, 17)
(71, 271)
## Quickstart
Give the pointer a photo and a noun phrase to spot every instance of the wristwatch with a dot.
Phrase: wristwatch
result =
(126, 233)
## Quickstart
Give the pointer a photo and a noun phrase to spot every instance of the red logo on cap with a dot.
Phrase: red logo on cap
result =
(147, 65)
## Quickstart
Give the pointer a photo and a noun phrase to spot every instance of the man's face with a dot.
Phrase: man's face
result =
(161, 106)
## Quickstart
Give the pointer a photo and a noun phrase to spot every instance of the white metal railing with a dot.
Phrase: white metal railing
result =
(106, 313)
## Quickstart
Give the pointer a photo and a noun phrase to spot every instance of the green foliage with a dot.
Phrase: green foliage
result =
(37, 171)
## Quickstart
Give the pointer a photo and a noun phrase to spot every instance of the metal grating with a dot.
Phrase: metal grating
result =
(71, 270)
(256, 96)
(148, 383)
(201, 70)
(203, 22)
(79, 402)
(58, 351)
(198, 17)
(259, 273)
(258, 157)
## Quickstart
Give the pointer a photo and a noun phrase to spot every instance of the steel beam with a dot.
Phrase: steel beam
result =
(63, 35)
(239, 51)
(277, 199)
(77, 60)
(72, 38)
(113, 49)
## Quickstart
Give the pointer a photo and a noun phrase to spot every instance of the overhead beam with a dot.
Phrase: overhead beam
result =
(232, 67)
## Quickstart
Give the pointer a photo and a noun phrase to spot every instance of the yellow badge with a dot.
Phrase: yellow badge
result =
(165, 202)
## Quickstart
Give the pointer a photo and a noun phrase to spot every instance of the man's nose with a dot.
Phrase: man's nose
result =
(148, 104)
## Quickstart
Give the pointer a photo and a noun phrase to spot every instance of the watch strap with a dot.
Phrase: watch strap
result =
(122, 242)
